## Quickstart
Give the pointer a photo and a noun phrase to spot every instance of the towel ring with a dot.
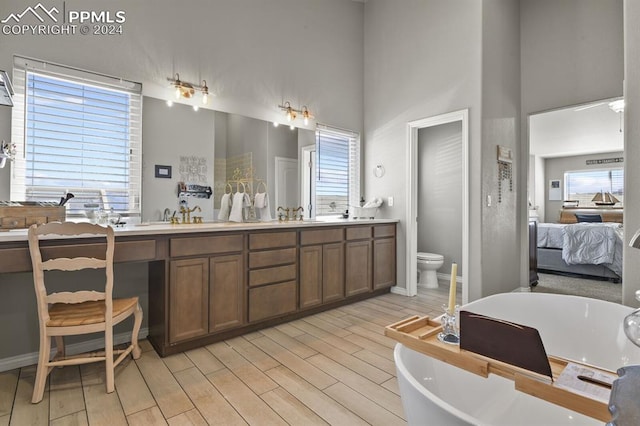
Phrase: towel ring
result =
(229, 187)
(244, 188)
(261, 182)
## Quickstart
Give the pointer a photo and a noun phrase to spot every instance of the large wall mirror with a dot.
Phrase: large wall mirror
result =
(216, 149)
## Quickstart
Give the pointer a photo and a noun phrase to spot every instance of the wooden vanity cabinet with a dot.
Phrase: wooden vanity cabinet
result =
(384, 256)
(358, 260)
(218, 285)
(321, 267)
(273, 274)
(206, 293)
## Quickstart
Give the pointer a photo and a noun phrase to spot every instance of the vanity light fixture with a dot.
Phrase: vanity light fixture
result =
(292, 113)
(184, 89)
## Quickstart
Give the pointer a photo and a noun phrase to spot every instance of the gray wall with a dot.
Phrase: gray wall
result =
(439, 192)
(167, 134)
(555, 169)
(631, 271)
(571, 53)
(274, 55)
(500, 126)
(422, 59)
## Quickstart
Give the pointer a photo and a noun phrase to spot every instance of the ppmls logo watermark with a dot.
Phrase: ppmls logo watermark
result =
(40, 20)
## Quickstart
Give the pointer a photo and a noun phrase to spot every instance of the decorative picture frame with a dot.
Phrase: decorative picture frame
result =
(163, 172)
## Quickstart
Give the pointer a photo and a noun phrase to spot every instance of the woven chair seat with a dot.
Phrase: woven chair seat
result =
(92, 312)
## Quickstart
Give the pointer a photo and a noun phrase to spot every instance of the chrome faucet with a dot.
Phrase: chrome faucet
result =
(165, 215)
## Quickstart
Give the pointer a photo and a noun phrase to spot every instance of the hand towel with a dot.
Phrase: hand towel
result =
(225, 207)
(236, 207)
(259, 200)
(264, 212)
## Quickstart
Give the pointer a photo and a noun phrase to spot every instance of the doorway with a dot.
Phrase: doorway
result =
(413, 128)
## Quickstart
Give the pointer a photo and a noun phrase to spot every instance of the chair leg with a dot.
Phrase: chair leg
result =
(43, 368)
(108, 352)
(137, 315)
(60, 349)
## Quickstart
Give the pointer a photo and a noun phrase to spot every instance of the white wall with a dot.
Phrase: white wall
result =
(440, 177)
(421, 60)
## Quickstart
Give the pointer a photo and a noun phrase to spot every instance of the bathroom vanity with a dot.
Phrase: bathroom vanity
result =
(212, 281)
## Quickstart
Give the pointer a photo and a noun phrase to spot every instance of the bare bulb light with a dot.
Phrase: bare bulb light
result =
(169, 103)
(196, 108)
(292, 127)
(276, 124)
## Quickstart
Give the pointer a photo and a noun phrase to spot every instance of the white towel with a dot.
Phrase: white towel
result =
(225, 207)
(259, 200)
(264, 212)
(236, 207)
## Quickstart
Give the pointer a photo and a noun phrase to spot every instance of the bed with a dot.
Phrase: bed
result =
(587, 249)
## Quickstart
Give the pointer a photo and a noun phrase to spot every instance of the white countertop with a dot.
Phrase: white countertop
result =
(161, 228)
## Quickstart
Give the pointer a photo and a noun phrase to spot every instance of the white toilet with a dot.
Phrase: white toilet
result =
(428, 264)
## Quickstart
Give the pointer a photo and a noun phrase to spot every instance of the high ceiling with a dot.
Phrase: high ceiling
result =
(584, 129)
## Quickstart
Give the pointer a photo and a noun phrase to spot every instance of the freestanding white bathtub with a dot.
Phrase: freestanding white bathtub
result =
(577, 328)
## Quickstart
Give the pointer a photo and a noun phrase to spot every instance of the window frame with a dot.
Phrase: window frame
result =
(606, 187)
(23, 67)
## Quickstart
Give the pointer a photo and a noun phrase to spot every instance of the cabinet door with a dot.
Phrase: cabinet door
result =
(357, 267)
(226, 292)
(310, 276)
(332, 272)
(384, 262)
(188, 299)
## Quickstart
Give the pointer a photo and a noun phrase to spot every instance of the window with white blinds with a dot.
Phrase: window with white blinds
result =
(78, 135)
(582, 186)
(337, 183)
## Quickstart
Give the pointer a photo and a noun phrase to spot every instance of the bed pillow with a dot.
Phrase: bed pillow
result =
(588, 217)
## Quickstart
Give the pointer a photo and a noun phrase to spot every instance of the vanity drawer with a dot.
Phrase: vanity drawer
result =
(272, 275)
(12, 222)
(272, 240)
(261, 259)
(272, 300)
(384, 231)
(205, 245)
(358, 232)
(321, 236)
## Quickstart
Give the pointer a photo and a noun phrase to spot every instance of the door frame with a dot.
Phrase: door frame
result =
(279, 163)
(412, 197)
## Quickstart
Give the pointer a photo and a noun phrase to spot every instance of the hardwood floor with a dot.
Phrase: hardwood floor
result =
(334, 367)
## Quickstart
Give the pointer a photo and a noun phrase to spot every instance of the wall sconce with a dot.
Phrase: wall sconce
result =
(292, 113)
(184, 89)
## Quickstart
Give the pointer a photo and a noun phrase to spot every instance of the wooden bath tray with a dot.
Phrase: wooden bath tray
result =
(421, 335)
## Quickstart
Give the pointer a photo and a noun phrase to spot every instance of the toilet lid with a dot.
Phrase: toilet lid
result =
(430, 256)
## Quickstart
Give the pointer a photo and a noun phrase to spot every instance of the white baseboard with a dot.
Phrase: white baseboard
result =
(399, 290)
(24, 360)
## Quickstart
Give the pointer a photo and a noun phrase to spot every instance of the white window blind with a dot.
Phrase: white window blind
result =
(337, 170)
(76, 133)
(583, 185)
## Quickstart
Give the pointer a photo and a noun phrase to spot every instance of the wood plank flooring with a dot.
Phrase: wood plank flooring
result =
(334, 367)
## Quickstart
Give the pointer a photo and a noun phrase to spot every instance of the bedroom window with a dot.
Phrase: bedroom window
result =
(583, 186)
(77, 132)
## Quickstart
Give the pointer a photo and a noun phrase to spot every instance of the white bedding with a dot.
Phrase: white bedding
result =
(585, 243)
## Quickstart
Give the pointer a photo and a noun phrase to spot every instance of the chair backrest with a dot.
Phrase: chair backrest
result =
(71, 229)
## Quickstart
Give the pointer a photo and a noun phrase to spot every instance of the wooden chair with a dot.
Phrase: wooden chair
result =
(79, 312)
